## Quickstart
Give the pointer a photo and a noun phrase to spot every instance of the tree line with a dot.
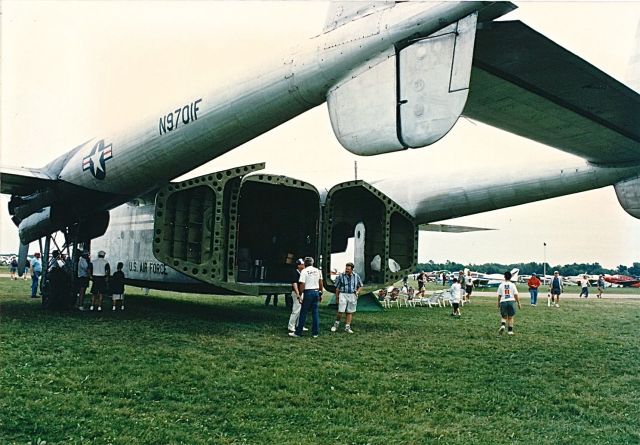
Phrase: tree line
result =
(529, 268)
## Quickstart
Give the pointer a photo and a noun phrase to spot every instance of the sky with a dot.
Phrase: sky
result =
(71, 70)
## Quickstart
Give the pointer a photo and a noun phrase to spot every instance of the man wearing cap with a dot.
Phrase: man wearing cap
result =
(295, 295)
(36, 270)
(555, 288)
(534, 284)
(311, 287)
(348, 286)
(100, 275)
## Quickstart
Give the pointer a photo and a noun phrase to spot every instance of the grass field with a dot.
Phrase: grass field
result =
(199, 369)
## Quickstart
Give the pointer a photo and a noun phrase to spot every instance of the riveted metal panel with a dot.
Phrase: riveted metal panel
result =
(195, 224)
(390, 230)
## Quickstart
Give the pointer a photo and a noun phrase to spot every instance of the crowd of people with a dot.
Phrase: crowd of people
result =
(60, 269)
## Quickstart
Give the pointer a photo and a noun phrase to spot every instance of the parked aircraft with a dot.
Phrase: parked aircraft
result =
(622, 280)
(494, 280)
(225, 231)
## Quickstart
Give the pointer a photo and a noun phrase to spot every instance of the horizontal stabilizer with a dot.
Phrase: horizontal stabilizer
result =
(449, 228)
(22, 181)
(524, 83)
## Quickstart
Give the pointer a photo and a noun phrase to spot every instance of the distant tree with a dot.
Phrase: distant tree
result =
(622, 269)
(635, 269)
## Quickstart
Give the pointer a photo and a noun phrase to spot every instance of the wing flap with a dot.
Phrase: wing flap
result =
(524, 83)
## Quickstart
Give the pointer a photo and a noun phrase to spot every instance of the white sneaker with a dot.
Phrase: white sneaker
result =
(304, 329)
(99, 308)
(510, 332)
(348, 330)
(334, 328)
(557, 305)
(501, 330)
(122, 308)
(91, 308)
(113, 308)
(293, 334)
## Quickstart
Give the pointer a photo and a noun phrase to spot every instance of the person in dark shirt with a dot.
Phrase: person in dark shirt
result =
(117, 287)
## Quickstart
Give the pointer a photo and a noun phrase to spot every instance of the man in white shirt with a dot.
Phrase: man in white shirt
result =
(100, 272)
(468, 286)
(311, 286)
(455, 290)
(507, 299)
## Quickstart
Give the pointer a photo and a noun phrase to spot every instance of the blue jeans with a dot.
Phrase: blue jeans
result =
(311, 301)
(34, 283)
(534, 295)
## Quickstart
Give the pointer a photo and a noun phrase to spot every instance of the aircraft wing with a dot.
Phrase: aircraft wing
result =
(524, 83)
(22, 181)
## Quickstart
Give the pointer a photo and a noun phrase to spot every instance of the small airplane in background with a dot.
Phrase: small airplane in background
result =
(622, 280)
(493, 280)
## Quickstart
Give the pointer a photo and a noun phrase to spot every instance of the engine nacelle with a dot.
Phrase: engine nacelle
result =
(51, 219)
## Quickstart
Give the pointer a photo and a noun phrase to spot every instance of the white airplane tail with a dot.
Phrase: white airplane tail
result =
(514, 274)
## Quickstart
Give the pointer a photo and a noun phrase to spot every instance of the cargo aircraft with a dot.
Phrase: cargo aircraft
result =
(394, 76)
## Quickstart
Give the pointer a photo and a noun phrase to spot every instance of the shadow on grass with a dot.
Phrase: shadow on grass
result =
(162, 310)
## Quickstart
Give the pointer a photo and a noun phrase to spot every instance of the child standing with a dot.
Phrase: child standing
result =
(456, 290)
(117, 287)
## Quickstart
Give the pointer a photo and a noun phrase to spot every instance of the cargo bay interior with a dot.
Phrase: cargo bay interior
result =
(277, 224)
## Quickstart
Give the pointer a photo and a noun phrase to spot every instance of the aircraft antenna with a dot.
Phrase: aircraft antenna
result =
(355, 169)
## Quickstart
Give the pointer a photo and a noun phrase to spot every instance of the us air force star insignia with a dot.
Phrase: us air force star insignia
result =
(96, 160)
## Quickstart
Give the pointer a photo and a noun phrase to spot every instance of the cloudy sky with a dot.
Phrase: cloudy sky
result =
(72, 70)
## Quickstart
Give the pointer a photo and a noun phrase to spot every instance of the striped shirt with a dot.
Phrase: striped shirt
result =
(348, 284)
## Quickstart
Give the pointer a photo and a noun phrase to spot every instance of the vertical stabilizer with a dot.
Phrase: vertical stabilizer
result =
(633, 71)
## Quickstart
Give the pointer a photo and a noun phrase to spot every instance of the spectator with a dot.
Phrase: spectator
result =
(100, 274)
(584, 282)
(36, 270)
(455, 290)
(296, 296)
(534, 284)
(348, 287)
(468, 286)
(555, 288)
(311, 286)
(422, 279)
(600, 285)
(116, 283)
(14, 267)
(507, 299)
(83, 279)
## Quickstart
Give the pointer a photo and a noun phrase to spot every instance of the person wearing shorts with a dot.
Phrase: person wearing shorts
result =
(100, 272)
(348, 287)
(455, 290)
(507, 300)
(14, 267)
(468, 286)
(555, 289)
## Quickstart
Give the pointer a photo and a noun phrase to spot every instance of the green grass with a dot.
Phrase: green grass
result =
(174, 368)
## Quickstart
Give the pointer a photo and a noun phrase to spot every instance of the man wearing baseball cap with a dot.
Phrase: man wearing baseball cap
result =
(100, 274)
(295, 295)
